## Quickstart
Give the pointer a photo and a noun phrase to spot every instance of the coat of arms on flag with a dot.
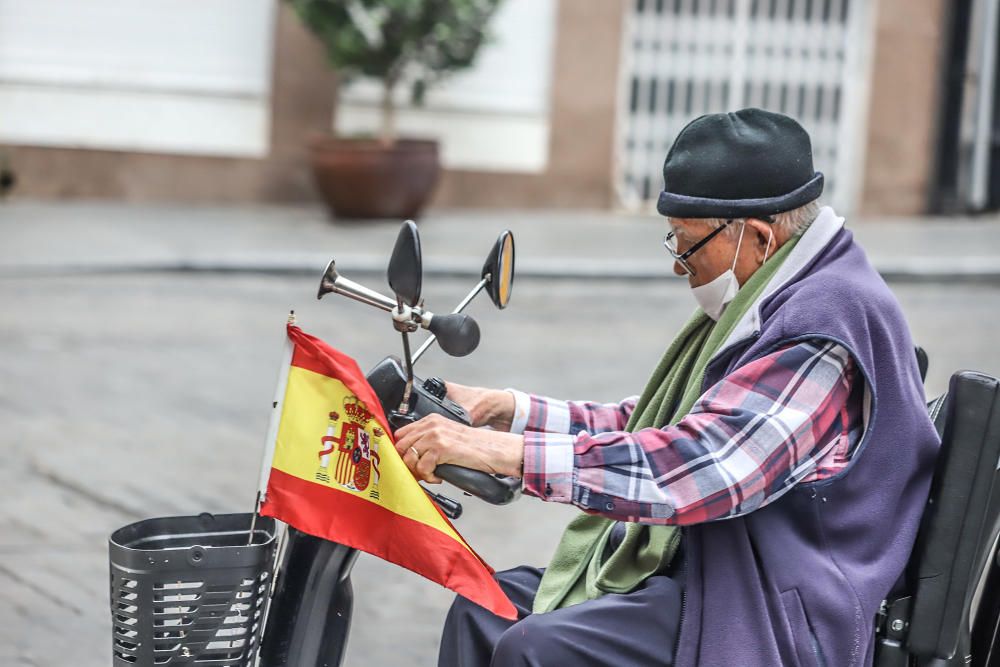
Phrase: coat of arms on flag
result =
(354, 450)
(332, 471)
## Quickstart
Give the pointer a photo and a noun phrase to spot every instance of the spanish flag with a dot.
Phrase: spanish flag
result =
(335, 474)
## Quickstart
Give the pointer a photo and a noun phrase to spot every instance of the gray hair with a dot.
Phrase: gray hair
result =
(790, 222)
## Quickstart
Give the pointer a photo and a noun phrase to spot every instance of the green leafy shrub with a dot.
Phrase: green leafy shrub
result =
(395, 41)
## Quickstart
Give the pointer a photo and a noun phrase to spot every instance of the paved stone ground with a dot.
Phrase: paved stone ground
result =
(145, 396)
(125, 396)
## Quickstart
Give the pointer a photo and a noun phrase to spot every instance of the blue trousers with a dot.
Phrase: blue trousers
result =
(639, 628)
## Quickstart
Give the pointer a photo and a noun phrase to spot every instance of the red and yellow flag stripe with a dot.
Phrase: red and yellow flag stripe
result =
(331, 427)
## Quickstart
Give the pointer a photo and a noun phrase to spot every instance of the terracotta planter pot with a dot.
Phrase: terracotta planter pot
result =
(361, 178)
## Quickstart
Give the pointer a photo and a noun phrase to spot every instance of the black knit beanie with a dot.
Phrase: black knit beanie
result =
(743, 164)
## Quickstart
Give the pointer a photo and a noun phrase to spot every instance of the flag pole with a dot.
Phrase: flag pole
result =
(272, 429)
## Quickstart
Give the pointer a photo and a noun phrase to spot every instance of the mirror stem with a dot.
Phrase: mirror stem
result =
(404, 404)
(459, 308)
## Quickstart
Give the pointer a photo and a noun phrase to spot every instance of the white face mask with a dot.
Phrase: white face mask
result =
(715, 294)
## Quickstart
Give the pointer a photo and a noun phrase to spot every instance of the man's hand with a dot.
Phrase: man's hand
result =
(427, 443)
(486, 407)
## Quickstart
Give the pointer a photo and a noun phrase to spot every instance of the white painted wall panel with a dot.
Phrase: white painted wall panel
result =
(469, 140)
(163, 75)
(145, 122)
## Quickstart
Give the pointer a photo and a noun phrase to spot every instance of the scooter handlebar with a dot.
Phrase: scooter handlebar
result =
(388, 379)
(491, 488)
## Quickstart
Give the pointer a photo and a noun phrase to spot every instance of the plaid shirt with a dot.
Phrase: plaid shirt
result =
(792, 416)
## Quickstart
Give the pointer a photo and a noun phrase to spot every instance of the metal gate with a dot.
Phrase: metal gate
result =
(806, 58)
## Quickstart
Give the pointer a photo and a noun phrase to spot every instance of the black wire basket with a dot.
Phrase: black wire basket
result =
(190, 590)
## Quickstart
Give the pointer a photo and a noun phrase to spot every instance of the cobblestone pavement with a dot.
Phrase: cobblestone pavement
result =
(129, 396)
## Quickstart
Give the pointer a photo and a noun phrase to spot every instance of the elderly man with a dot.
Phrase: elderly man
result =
(759, 499)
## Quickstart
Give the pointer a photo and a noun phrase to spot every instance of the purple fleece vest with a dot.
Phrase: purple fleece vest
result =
(798, 582)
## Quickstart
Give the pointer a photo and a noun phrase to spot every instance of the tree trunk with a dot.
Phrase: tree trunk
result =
(387, 135)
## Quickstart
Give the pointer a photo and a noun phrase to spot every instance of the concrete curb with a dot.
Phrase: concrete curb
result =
(913, 269)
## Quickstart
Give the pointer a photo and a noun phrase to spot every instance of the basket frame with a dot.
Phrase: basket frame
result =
(190, 589)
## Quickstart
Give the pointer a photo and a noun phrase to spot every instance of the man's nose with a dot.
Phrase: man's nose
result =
(679, 270)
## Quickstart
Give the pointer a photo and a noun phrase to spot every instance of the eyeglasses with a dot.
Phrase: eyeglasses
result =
(670, 243)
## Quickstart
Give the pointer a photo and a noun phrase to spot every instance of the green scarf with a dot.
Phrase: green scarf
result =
(578, 570)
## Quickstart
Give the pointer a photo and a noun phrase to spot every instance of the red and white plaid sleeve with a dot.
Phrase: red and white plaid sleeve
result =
(550, 415)
(789, 417)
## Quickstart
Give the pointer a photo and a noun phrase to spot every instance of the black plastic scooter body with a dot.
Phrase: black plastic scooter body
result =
(388, 379)
(309, 619)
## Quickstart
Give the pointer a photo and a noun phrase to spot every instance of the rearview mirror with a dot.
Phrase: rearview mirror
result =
(405, 266)
(499, 270)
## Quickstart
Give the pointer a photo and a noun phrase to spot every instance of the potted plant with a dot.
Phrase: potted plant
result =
(411, 43)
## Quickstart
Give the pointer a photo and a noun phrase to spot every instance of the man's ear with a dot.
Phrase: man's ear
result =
(763, 231)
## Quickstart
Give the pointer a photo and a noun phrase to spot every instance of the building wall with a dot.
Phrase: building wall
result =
(301, 93)
(901, 128)
(584, 97)
(904, 106)
(578, 173)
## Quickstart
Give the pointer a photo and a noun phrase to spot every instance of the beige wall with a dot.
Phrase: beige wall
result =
(902, 122)
(301, 92)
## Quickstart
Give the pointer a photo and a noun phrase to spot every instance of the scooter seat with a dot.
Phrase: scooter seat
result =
(958, 532)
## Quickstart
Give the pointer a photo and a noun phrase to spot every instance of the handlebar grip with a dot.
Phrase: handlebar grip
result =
(491, 488)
